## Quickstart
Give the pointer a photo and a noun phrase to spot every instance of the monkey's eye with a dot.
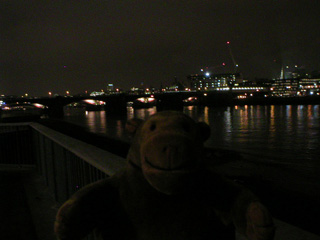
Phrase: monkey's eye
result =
(153, 127)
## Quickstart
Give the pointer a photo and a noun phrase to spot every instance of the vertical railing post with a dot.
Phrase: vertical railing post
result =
(61, 181)
(43, 162)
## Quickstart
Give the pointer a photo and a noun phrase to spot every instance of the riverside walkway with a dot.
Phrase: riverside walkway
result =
(33, 189)
(27, 206)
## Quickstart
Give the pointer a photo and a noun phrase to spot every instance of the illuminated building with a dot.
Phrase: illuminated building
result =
(209, 81)
(110, 87)
(285, 87)
(94, 94)
(295, 87)
(309, 87)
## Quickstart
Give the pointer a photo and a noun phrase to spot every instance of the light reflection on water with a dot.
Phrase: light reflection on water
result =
(140, 113)
(289, 132)
(99, 121)
(95, 121)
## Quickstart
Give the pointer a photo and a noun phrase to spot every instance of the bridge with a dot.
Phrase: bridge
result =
(114, 103)
(117, 103)
(41, 168)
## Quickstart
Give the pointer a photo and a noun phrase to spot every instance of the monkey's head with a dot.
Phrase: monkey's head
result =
(168, 148)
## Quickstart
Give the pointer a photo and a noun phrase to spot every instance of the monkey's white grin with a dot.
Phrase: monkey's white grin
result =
(177, 168)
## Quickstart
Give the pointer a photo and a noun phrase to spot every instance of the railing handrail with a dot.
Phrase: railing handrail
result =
(15, 124)
(106, 162)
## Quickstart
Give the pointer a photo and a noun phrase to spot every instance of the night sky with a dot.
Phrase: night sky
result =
(83, 45)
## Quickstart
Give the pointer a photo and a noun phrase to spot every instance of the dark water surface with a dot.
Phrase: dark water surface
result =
(285, 133)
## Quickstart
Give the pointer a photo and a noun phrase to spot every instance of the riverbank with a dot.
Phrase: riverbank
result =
(307, 100)
(232, 99)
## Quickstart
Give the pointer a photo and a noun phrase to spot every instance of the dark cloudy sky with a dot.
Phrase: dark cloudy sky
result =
(80, 45)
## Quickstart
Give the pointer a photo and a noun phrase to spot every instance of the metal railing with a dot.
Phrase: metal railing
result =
(15, 144)
(66, 164)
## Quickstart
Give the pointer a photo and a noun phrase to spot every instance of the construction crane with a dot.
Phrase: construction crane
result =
(235, 65)
(212, 68)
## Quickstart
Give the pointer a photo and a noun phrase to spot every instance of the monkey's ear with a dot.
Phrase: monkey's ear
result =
(133, 124)
(204, 131)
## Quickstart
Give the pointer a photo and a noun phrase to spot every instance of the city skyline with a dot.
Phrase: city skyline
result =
(82, 46)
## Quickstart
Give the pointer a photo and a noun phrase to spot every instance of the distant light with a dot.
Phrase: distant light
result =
(90, 101)
(207, 74)
(201, 70)
(237, 65)
(94, 102)
(296, 66)
(146, 99)
(223, 64)
(228, 42)
(38, 105)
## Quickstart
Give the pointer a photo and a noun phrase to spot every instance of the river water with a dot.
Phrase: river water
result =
(284, 133)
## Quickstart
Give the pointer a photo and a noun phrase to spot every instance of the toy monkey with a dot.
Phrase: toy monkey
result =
(164, 192)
